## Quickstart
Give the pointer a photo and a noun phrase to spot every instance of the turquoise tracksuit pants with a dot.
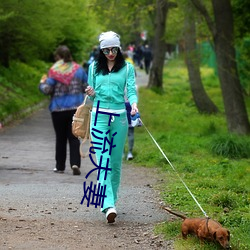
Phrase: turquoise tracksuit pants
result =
(112, 158)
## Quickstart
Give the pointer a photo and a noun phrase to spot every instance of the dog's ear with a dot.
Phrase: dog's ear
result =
(228, 237)
(214, 235)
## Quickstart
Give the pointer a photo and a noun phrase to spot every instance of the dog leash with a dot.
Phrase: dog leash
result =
(174, 169)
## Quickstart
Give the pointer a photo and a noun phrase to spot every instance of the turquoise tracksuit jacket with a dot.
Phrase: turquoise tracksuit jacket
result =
(109, 89)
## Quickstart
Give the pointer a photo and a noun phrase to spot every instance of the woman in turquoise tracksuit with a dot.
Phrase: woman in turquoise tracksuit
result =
(108, 77)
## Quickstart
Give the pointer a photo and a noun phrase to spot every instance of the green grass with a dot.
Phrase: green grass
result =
(214, 164)
(19, 88)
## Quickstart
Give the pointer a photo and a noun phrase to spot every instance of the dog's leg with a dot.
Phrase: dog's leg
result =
(184, 235)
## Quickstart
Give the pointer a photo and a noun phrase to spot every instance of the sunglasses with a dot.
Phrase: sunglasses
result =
(106, 51)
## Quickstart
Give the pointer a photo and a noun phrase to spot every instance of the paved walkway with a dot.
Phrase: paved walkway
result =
(141, 78)
(26, 163)
(30, 190)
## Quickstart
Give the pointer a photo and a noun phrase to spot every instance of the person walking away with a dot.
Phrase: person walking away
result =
(108, 78)
(139, 56)
(65, 84)
(147, 54)
(93, 55)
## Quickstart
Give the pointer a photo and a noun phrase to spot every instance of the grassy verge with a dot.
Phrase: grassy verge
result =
(19, 89)
(213, 164)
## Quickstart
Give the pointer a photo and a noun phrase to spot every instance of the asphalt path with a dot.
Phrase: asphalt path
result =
(31, 190)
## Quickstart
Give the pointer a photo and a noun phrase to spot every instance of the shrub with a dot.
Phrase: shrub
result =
(223, 200)
(231, 146)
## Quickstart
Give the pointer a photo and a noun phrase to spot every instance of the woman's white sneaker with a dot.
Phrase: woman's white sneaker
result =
(111, 214)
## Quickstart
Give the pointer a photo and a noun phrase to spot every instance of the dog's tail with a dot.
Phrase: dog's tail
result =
(175, 213)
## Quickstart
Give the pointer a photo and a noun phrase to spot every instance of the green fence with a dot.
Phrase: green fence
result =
(208, 58)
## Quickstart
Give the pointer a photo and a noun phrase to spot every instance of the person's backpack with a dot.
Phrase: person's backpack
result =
(81, 124)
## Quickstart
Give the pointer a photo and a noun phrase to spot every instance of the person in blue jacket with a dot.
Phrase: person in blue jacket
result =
(65, 83)
(108, 77)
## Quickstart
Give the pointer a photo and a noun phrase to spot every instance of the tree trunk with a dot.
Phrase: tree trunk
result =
(159, 47)
(201, 99)
(235, 109)
(223, 38)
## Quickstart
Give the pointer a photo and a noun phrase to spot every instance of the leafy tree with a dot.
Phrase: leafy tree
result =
(201, 99)
(175, 24)
(22, 35)
(126, 17)
(28, 33)
(156, 72)
(221, 28)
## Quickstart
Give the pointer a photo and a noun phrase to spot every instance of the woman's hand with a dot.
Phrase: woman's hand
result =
(134, 109)
(90, 91)
(43, 79)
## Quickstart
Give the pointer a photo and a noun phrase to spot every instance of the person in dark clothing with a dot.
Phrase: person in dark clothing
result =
(92, 57)
(139, 56)
(147, 54)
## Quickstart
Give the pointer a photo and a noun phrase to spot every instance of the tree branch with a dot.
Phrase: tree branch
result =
(202, 9)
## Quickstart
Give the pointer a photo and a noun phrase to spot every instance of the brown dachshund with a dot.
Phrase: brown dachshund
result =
(204, 229)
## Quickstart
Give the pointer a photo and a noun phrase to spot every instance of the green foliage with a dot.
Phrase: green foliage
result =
(170, 230)
(175, 25)
(219, 183)
(176, 18)
(231, 146)
(243, 59)
(224, 200)
(128, 18)
(241, 17)
(29, 33)
(19, 87)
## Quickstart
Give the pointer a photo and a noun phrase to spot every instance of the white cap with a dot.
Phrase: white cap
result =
(109, 39)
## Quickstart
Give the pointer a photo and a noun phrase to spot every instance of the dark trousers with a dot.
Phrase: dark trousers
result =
(130, 129)
(147, 65)
(130, 139)
(62, 122)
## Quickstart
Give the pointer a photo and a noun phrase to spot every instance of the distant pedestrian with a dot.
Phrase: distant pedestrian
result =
(139, 56)
(93, 55)
(65, 84)
(147, 54)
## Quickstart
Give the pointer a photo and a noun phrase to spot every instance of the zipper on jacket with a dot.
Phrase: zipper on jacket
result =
(109, 89)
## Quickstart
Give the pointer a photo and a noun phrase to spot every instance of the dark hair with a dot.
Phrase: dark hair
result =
(64, 53)
(102, 67)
